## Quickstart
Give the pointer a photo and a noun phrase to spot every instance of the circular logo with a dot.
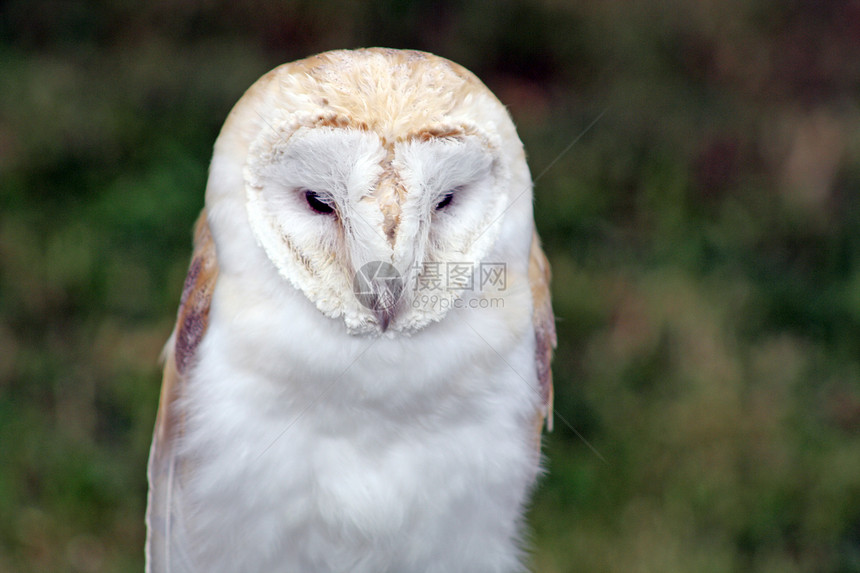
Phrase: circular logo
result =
(377, 285)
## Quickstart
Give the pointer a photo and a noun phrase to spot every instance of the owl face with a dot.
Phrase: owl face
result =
(364, 171)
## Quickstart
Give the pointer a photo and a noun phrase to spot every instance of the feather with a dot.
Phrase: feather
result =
(544, 322)
(164, 551)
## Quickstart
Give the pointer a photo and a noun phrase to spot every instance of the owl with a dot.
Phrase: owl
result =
(360, 369)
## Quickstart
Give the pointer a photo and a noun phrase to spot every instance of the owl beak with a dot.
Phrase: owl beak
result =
(385, 307)
(384, 316)
(378, 286)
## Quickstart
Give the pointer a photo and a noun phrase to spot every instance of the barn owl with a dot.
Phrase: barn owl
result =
(359, 372)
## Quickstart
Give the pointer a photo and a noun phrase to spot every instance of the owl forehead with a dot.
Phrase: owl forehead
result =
(398, 95)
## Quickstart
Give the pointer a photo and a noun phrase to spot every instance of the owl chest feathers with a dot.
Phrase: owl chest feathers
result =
(369, 449)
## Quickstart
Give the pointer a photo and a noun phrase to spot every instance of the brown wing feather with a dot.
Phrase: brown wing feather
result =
(544, 323)
(164, 471)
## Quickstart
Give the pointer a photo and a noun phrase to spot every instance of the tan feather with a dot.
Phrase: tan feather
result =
(544, 322)
(164, 472)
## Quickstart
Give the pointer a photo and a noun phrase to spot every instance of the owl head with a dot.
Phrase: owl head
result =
(353, 177)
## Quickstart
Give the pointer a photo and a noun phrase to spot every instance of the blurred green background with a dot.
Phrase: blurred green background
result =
(704, 235)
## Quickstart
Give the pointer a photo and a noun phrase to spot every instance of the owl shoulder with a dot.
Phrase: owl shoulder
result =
(192, 322)
(544, 323)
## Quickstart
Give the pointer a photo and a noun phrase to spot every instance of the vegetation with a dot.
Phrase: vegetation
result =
(697, 167)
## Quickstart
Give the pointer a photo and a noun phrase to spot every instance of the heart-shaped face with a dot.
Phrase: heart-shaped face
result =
(372, 157)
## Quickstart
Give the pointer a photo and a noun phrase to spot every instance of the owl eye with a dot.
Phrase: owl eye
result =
(446, 200)
(319, 204)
